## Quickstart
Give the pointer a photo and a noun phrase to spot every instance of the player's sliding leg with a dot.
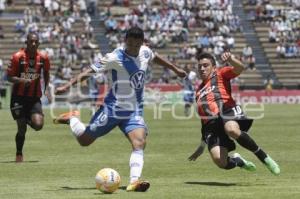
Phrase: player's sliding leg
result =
(137, 137)
(220, 157)
(247, 142)
(20, 138)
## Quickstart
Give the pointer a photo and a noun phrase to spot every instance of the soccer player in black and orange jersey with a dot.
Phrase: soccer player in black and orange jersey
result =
(222, 119)
(24, 71)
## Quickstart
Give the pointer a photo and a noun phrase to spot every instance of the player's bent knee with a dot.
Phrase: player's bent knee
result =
(85, 140)
(234, 133)
(139, 143)
(220, 163)
(37, 127)
(84, 143)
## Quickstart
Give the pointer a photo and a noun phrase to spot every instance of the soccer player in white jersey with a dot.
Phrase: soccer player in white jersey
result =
(123, 105)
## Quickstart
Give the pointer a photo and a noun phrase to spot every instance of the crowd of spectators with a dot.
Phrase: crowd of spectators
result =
(54, 21)
(284, 22)
(65, 33)
(176, 22)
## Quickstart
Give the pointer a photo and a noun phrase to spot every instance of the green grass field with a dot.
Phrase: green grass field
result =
(57, 167)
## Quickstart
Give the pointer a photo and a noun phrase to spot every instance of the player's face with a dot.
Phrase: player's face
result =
(205, 68)
(133, 46)
(32, 43)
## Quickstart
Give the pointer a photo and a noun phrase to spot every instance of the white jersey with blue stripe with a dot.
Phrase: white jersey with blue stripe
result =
(126, 75)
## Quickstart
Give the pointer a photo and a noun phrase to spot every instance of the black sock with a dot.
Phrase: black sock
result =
(261, 155)
(247, 142)
(20, 139)
(186, 110)
(233, 162)
(239, 161)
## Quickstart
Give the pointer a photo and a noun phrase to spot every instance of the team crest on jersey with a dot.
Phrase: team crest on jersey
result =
(204, 91)
(146, 54)
(137, 80)
(31, 62)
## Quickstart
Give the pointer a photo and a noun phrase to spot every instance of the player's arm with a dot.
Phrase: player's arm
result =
(79, 78)
(46, 79)
(163, 62)
(16, 80)
(238, 66)
(198, 151)
(46, 74)
(105, 64)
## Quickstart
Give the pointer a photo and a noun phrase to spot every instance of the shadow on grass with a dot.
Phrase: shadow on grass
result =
(221, 184)
(88, 188)
(14, 162)
(78, 188)
(122, 187)
(224, 184)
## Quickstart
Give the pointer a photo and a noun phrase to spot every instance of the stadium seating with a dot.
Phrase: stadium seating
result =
(286, 69)
(11, 43)
(248, 78)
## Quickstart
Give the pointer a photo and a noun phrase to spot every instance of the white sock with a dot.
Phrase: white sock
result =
(136, 164)
(77, 126)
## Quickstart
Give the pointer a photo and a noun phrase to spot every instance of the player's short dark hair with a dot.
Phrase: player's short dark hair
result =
(135, 32)
(205, 55)
(29, 35)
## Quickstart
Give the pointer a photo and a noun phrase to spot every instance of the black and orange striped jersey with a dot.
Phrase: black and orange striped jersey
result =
(24, 67)
(214, 95)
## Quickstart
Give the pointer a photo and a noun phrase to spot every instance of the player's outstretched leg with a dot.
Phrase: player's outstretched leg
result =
(247, 165)
(65, 117)
(272, 165)
(247, 142)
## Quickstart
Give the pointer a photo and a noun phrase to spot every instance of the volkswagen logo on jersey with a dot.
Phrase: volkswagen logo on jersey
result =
(137, 80)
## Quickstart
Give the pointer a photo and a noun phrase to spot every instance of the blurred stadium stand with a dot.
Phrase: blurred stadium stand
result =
(285, 71)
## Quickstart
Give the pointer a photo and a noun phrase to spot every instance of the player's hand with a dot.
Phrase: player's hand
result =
(198, 152)
(180, 73)
(60, 90)
(226, 56)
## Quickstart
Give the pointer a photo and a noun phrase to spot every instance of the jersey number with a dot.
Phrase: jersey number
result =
(237, 110)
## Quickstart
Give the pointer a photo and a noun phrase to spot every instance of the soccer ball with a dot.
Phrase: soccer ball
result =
(107, 180)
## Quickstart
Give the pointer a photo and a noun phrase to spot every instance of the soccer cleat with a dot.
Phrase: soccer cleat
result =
(272, 165)
(19, 158)
(65, 117)
(138, 186)
(249, 166)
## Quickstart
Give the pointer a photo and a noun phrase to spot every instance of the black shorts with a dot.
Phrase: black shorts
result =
(213, 132)
(24, 107)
